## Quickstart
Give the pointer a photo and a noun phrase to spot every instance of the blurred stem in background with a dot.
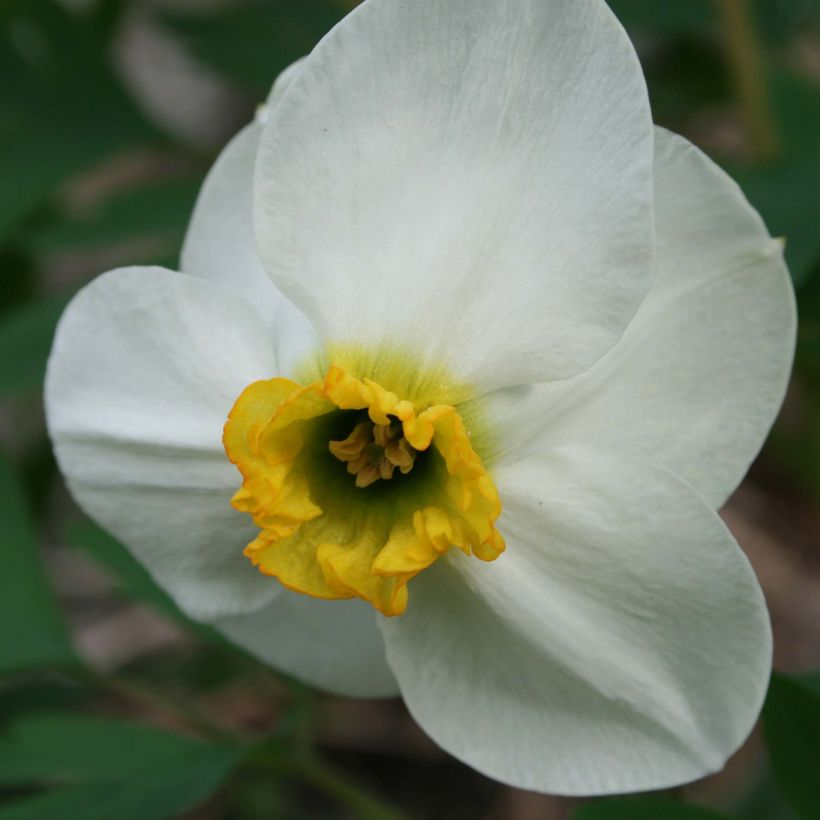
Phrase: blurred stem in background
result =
(747, 61)
(291, 757)
(317, 774)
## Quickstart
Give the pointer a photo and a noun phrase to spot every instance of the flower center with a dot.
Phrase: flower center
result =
(375, 451)
(320, 534)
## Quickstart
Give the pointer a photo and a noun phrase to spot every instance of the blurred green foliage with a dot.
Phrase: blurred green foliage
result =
(32, 632)
(65, 115)
(272, 34)
(65, 110)
(791, 722)
(156, 210)
(29, 327)
(80, 766)
(651, 808)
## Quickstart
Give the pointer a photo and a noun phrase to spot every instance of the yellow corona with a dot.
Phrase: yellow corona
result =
(354, 489)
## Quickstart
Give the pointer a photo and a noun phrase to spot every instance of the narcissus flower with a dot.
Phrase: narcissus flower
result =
(463, 357)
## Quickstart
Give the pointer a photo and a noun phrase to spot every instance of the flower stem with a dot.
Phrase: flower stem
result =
(313, 772)
(138, 694)
(746, 58)
(298, 762)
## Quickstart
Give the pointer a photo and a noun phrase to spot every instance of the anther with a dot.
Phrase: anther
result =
(374, 451)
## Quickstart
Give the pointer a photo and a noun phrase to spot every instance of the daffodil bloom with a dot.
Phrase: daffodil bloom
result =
(463, 357)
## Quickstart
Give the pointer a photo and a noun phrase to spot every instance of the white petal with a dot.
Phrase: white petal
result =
(620, 644)
(466, 180)
(333, 645)
(145, 366)
(220, 245)
(699, 376)
(283, 82)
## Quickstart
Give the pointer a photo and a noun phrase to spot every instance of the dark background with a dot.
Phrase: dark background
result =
(112, 705)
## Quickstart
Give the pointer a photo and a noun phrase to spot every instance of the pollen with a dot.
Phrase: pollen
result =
(356, 490)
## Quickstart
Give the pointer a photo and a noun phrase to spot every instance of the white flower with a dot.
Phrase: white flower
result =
(464, 201)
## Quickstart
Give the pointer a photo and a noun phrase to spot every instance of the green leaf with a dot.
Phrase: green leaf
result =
(645, 808)
(776, 20)
(811, 681)
(65, 109)
(253, 42)
(26, 334)
(19, 278)
(103, 768)
(666, 18)
(31, 627)
(791, 724)
(159, 210)
(808, 341)
(38, 690)
(796, 103)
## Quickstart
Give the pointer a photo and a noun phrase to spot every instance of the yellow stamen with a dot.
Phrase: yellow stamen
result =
(318, 539)
(373, 451)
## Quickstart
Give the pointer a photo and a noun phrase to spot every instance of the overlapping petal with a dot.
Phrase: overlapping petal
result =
(146, 364)
(279, 87)
(333, 645)
(220, 245)
(699, 376)
(467, 178)
(620, 644)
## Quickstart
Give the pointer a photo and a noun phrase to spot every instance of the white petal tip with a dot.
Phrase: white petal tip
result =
(262, 114)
